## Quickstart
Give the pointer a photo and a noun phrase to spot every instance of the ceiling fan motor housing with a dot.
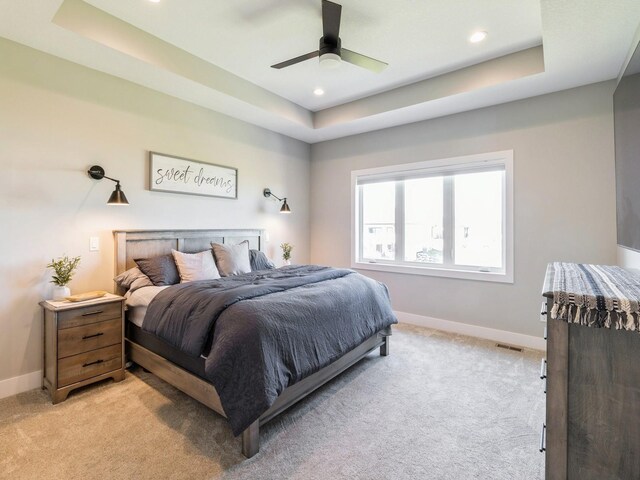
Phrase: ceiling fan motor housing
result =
(329, 45)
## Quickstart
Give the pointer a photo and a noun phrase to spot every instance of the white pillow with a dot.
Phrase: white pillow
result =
(232, 259)
(195, 266)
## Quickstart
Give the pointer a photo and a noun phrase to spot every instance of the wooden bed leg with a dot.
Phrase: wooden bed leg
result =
(251, 439)
(384, 348)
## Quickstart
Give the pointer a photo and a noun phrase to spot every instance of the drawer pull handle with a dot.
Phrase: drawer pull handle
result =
(97, 312)
(545, 333)
(543, 308)
(543, 369)
(543, 438)
(92, 363)
(92, 336)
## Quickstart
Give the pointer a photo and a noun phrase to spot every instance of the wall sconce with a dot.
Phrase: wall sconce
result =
(117, 197)
(285, 206)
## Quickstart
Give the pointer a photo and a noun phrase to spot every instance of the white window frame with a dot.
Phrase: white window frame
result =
(504, 275)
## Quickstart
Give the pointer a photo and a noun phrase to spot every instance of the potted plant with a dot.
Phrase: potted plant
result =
(286, 253)
(64, 268)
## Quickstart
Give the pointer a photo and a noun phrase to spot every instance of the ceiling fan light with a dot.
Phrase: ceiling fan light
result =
(330, 60)
(477, 37)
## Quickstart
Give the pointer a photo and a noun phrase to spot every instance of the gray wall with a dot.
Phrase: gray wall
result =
(56, 120)
(564, 191)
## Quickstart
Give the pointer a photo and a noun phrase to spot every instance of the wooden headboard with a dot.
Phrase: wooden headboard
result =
(131, 244)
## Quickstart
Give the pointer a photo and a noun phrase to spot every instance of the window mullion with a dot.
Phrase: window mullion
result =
(448, 227)
(399, 224)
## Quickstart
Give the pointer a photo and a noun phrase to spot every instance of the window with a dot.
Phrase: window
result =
(449, 217)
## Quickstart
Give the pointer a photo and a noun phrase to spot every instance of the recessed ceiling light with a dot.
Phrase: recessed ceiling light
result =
(478, 37)
(154, 1)
(318, 91)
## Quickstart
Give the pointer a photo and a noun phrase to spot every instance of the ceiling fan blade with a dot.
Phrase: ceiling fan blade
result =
(331, 13)
(295, 60)
(363, 61)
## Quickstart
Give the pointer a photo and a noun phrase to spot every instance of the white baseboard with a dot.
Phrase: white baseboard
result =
(628, 258)
(15, 385)
(501, 336)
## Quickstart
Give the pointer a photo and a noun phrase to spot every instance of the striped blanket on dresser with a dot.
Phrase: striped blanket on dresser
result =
(589, 294)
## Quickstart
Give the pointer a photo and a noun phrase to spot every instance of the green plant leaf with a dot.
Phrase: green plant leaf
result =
(64, 268)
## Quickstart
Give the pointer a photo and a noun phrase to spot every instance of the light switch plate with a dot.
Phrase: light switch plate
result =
(94, 244)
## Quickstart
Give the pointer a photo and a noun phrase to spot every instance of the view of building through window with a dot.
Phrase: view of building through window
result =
(378, 221)
(473, 230)
(423, 217)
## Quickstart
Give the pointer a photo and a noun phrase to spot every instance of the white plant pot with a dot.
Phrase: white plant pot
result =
(287, 262)
(60, 293)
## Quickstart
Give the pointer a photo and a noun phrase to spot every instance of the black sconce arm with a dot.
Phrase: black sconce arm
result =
(268, 193)
(97, 172)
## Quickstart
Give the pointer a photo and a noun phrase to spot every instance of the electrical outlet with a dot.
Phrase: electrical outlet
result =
(94, 244)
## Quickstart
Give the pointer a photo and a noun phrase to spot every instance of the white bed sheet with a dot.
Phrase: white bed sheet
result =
(138, 301)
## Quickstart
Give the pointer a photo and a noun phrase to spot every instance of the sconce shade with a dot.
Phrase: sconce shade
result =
(285, 206)
(118, 197)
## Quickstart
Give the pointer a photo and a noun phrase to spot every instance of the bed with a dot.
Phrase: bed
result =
(188, 372)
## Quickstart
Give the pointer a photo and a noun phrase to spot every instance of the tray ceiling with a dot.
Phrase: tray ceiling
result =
(217, 54)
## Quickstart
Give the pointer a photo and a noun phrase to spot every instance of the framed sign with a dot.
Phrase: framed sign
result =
(181, 175)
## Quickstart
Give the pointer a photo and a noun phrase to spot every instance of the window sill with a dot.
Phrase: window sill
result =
(436, 272)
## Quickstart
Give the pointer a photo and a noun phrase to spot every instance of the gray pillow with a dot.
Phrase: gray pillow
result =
(232, 259)
(161, 270)
(133, 279)
(259, 261)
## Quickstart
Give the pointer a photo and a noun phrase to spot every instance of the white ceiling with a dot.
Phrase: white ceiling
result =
(217, 53)
(245, 37)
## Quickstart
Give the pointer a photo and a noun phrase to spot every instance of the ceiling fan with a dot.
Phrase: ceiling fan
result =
(330, 50)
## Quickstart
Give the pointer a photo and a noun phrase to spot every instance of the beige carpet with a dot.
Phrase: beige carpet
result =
(440, 407)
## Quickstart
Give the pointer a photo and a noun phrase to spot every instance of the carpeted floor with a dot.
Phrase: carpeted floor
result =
(440, 407)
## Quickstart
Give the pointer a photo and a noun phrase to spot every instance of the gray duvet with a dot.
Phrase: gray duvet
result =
(268, 329)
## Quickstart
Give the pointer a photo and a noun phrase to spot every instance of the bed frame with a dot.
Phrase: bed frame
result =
(130, 244)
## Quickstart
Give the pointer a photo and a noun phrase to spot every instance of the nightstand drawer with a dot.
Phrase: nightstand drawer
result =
(89, 314)
(86, 365)
(72, 341)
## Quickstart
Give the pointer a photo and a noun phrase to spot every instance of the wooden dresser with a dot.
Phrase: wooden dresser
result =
(592, 373)
(83, 344)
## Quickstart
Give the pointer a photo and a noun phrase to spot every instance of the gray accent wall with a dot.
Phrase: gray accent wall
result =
(564, 189)
(56, 120)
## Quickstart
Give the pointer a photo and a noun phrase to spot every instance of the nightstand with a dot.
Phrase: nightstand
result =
(83, 344)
